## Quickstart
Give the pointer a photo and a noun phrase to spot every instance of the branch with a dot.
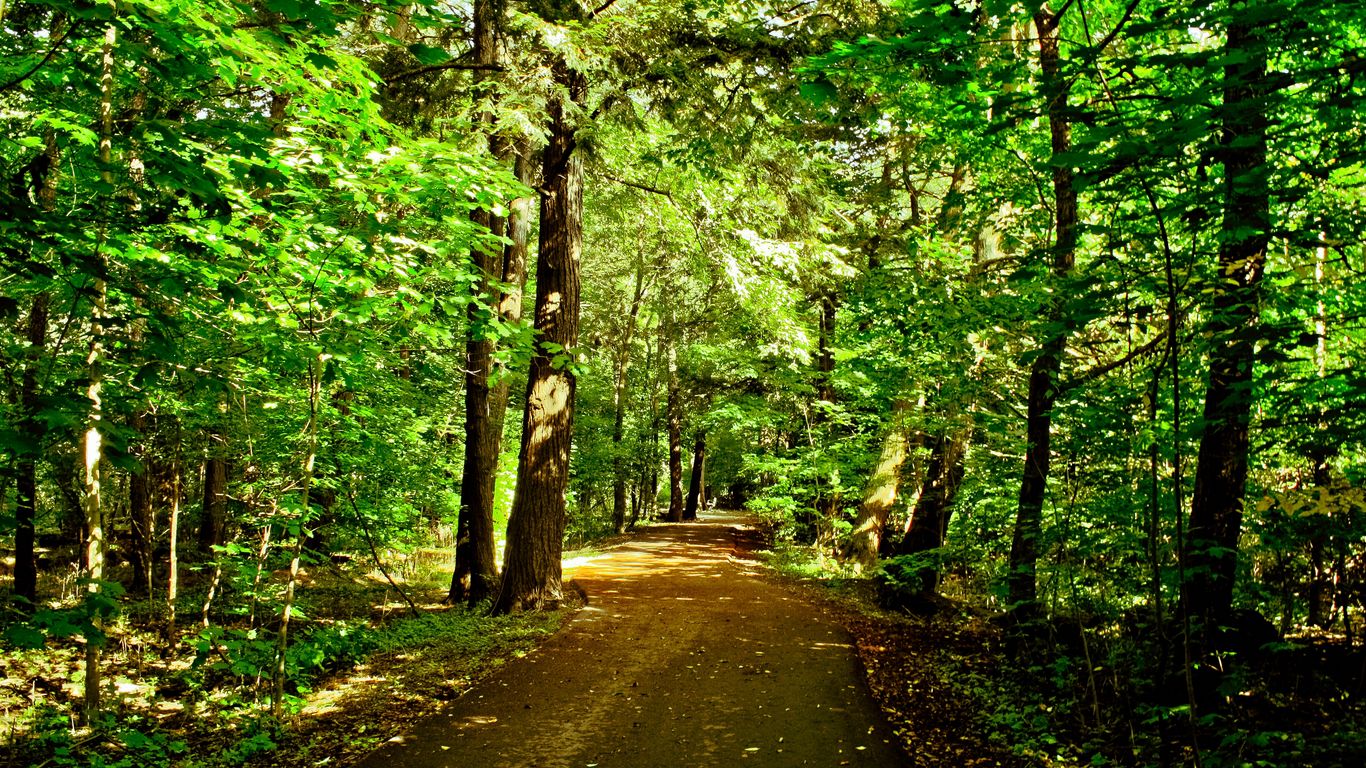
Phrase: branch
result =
(1123, 20)
(601, 9)
(410, 74)
(374, 552)
(641, 187)
(1101, 370)
(1056, 18)
(51, 52)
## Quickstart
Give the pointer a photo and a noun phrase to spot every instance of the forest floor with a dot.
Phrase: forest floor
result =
(687, 654)
(690, 652)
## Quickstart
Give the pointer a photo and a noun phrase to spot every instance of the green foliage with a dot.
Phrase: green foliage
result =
(84, 619)
(140, 744)
(803, 229)
(249, 655)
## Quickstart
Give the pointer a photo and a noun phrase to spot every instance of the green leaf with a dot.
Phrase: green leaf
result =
(428, 54)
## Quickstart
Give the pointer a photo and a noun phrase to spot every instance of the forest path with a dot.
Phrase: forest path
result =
(685, 657)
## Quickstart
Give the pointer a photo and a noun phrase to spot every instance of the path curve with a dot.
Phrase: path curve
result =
(685, 657)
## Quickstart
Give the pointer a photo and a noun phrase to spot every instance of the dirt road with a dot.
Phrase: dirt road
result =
(685, 657)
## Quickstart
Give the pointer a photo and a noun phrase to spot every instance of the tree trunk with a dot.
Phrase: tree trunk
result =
(32, 430)
(94, 448)
(142, 512)
(475, 549)
(619, 392)
(213, 521)
(535, 540)
(173, 556)
(827, 500)
(1216, 517)
(673, 414)
(1043, 373)
(1319, 454)
(514, 278)
(697, 485)
(825, 357)
(475, 569)
(880, 496)
(930, 520)
(277, 698)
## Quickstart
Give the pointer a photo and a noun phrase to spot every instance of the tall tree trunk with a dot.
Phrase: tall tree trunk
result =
(1043, 373)
(31, 427)
(930, 520)
(1216, 517)
(825, 357)
(827, 500)
(535, 540)
(91, 503)
(673, 416)
(475, 551)
(880, 495)
(619, 392)
(697, 484)
(1319, 453)
(475, 569)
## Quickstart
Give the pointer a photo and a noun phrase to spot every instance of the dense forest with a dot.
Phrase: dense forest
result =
(1047, 312)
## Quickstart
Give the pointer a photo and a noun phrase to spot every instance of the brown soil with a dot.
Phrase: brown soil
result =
(685, 656)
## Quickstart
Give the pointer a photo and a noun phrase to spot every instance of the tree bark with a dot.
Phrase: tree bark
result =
(213, 521)
(880, 496)
(1216, 517)
(535, 540)
(26, 484)
(673, 415)
(514, 278)
(173, 534)
(1043, 373)
(930, 520)
(141, 512)
(475, 549)
(697, 484)
(619, 393)
(91, 499)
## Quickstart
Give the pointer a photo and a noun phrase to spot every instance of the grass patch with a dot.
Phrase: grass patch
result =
(811, 564)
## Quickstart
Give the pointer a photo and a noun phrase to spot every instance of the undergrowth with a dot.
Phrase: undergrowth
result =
(203, 706)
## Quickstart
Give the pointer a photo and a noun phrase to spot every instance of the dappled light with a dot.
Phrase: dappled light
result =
(686, 383)
(682, 649)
